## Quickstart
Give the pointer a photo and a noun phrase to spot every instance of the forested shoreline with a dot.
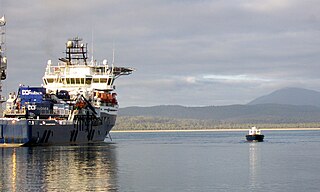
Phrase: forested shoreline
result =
(127, 123)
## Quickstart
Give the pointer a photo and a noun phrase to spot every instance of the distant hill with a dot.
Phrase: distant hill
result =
(288, 107)
(290, 96)
(260, 113)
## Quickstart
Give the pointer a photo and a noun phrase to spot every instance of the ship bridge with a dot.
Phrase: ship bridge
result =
(75, 74)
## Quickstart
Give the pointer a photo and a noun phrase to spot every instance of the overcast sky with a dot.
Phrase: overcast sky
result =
(185, 52)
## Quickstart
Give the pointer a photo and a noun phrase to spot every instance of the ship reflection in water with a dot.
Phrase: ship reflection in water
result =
(59, 168)
(254, 166)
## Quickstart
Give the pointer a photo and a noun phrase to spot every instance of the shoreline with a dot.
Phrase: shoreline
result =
(212, 130)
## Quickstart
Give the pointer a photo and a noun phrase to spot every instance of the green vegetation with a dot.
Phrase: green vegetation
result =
(163, 123)
(174, 117)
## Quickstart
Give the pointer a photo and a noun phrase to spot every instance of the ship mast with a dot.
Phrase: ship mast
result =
(75, 52)
(3, 59)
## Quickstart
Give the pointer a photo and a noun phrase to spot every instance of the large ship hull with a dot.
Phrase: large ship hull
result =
(28, 132)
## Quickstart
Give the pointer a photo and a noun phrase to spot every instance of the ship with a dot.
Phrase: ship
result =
(77, 103)
(254, 135)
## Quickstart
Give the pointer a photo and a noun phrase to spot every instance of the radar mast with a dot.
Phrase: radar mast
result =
(76, 52)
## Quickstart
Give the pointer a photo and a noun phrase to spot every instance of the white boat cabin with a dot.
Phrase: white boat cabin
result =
(254, 131)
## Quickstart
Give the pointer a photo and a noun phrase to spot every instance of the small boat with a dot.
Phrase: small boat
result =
(254, 135)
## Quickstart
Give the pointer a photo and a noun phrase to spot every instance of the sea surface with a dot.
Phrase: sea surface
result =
(169, 161)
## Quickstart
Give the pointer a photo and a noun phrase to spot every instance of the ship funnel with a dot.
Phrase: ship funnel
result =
(105, 62)
(49, 62)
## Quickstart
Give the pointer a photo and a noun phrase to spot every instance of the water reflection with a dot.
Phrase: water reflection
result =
(62, 168)
(254, 165)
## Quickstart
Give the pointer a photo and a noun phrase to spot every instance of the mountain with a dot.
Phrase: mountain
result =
(290, 96)
(288, 105)
(260, 113)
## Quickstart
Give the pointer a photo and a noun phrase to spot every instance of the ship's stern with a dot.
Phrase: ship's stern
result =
(14, 131)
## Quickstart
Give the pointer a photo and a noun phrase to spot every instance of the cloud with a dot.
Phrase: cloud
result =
(182, 50)
(236, 78)
(267, 5)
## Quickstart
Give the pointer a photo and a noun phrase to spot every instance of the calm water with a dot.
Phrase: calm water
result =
(179, 161)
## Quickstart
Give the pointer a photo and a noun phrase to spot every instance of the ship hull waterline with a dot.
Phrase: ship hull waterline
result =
(30, 132)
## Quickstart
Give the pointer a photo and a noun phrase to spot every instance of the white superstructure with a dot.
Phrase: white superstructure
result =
(78, 76)
(254, 131)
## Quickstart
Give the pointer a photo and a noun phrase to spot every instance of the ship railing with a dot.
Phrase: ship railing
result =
(49, 122)
(51, 114)
(55, 70)
(55, 112)
(14, 112)
(98, 69)
(102, 73)
(59, 70)
(99, 103)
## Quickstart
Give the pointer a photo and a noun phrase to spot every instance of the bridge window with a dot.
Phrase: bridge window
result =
(88, 81)
(102, 80)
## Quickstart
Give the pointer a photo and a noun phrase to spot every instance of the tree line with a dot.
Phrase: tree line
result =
(163, 123)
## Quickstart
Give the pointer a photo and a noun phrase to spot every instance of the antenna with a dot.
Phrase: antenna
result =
(92, 45)
(113, 54)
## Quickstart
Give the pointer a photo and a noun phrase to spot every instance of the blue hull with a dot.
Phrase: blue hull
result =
(52, 132)
(14, 132)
